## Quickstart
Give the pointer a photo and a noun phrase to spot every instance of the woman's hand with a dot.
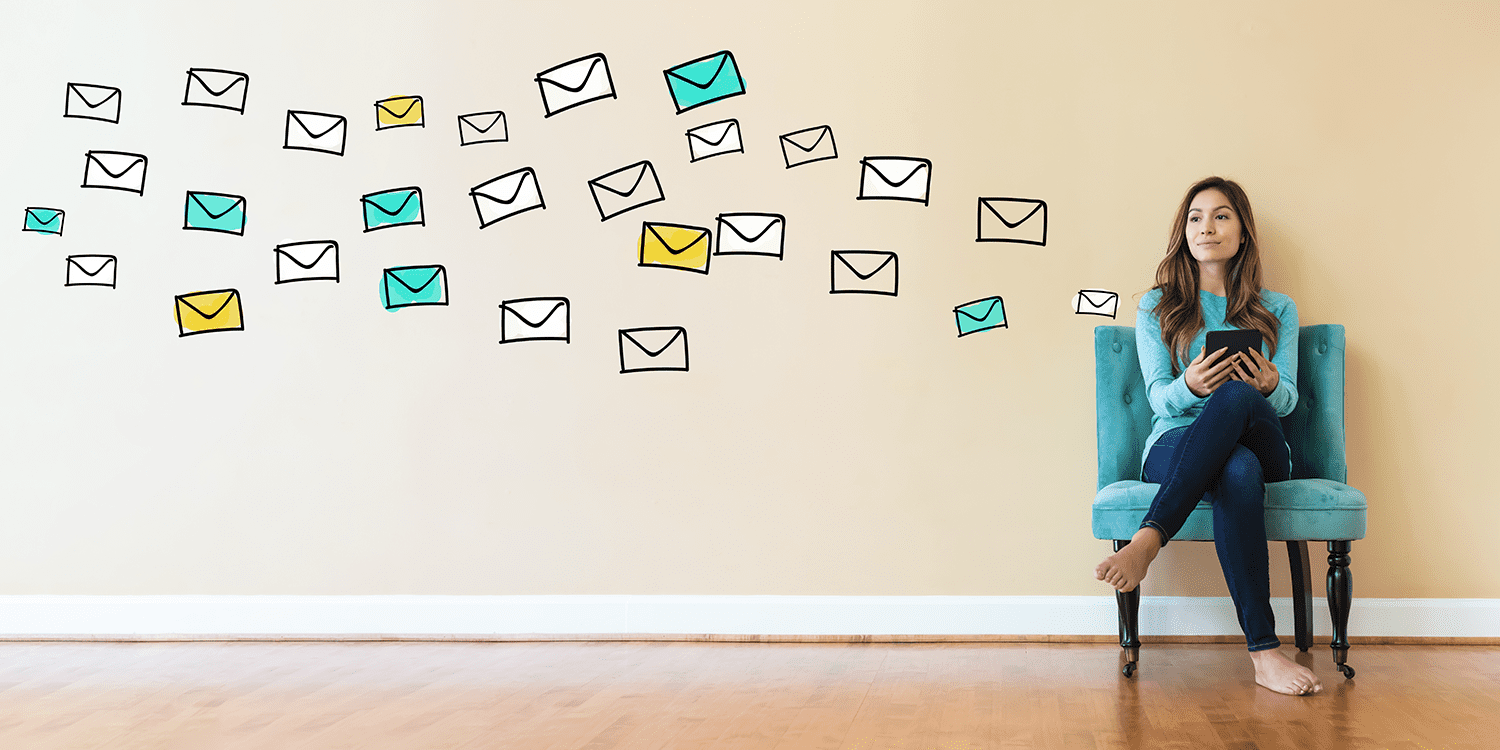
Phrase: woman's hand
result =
(1257, 371)
(1206, 373)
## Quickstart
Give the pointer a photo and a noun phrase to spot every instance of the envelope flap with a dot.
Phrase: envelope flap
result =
(1025, 209)
(126, 162)
(504, 184)
(475, 119)
(215, 204)
(690, 235)
(563, 75)
(1098, 297)
(978, 310)
(203, 302)
(295, 252)
(619, 176)
(422, 276)
(744, 225)
(390, 198)
(700, 73)
(101, 93)
(890, 168)
(97, 262)
(707, 133)
(318, 120)
(550, 305)
(855, 261)
(800, 137)
(217, 82)
(44, 215)
(654, 334)
(403, 103)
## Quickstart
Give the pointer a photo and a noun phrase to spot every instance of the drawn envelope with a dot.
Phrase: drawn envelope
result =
(214, 212)
(397, 207)
(653, 349)
(715, 138)
(89, 102)
(115, 170)
(482, 127)
(316, 131)
(314, 260)
(864, 272)
(1096, 302)
(1020, 220)
(208, 312)
(399, 112)
(626, 188)
(413, 286)
(211, 87)
(534, 319)
(507, 195)
(44, 220)
(574, 83)
(751, 234)
(705, 80)
(675, 246)
(92, 270)
(894, 178)
(807, 146)
(980, 315)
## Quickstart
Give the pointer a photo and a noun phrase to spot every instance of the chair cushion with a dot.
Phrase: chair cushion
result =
(1299, 509)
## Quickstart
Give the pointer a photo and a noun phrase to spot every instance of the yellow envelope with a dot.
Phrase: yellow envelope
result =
(398, 112)
(675, 246)
(206, 312)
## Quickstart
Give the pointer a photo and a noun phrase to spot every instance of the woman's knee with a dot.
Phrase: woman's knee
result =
(1242, 482)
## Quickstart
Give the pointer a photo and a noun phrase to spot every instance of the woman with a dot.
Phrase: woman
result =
(1216, 428)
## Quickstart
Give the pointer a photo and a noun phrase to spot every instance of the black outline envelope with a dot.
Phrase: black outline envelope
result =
(495, 132)
(809, 150)
(889, 184)
(58, 215)
(315, 132)
(309, 261)
(728, 140)
(726, 60)
(78, 103)
(506, 196)
(194, 198)
(673, 256)
(95, 277)
(536, 319)
(612, 187)
(232, 298)
(118, 177)
(389, 106)
(421, 208)
(959, 313)
(648, 360)
(1096, 302)
(204, 95)
(873, 277)
(744, 233)
(1021, 231)
(439, 274)
(591, 84)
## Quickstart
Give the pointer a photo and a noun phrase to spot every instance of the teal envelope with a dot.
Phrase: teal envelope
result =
(44, 220)
(707, 79)
(397, 207)
(410, 286)
(214, 212)
(980, 315)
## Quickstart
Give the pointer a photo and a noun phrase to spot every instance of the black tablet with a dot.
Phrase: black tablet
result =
(1235, 340)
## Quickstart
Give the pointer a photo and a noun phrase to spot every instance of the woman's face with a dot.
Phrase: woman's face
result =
(1213, 228)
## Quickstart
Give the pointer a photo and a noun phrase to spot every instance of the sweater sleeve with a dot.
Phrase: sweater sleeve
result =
(1284, 397)
(1169, 396)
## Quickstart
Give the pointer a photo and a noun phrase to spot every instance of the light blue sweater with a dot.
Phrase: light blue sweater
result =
(1172, 404)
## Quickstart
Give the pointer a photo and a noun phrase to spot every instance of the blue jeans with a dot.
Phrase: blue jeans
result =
(1228, 453)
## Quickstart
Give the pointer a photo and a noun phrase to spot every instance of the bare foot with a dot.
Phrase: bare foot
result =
(1124, 570)
(1276, 672)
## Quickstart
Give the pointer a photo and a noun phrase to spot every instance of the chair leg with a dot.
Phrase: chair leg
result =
(1340, 595)
(1129, 604)
(1302, 599)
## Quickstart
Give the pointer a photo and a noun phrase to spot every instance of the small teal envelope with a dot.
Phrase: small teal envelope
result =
(397, 207)
(44, 220)
(980, 315)
(410, 286)
(214, 212)
(707, 79)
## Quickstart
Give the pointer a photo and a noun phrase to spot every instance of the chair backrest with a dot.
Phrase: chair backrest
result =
(1314, 430)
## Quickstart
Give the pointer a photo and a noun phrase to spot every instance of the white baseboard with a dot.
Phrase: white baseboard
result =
(259, 616)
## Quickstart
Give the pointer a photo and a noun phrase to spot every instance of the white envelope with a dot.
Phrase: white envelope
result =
(1096, 302)
(316, 131)
(895, 178)
(534, 319)
(314, 260)
(211, 87)
(864, 272)
(507, 195)
(575, 82)
(807, 146)
(89, 102)
(751, 234)
(626, 188)
(653, 349)
(115, 170)
(482, 127)
(715, 138)
(92, 270)
(1020, 220)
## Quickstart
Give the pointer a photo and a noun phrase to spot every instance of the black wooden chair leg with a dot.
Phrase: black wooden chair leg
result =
(1302, 599)
(1129, 604)
(1340, 595)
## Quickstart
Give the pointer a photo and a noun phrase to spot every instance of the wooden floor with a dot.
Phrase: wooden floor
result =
(609, 696)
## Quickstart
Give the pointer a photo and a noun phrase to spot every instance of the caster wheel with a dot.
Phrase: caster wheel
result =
(1347, 670)
(1129, 670)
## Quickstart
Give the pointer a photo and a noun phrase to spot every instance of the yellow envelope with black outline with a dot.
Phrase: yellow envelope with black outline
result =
(399, 112)
(675, 246)
(207, 312)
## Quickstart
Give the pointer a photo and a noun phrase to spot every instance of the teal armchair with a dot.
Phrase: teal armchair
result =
(1314, 505)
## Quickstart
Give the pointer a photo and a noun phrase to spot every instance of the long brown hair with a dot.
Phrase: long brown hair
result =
(1178, 311)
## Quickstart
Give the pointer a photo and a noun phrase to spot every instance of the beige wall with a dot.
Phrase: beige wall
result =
(822, 444)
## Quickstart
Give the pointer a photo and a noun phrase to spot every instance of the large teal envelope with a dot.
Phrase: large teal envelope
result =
(214, 212)
(410, 286)
(707, 79)
(980, 315)
(397, 207)
(44, 220)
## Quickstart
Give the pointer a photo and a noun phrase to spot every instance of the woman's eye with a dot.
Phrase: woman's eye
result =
(1222, 217)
